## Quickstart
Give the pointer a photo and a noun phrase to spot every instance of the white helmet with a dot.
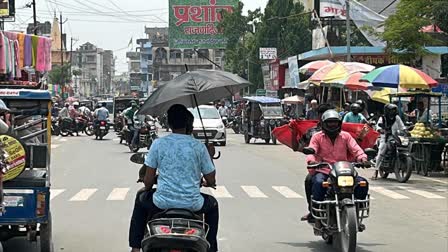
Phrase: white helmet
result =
(76, 104)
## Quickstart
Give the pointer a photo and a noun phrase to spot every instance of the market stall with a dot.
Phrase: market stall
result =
(428, 138)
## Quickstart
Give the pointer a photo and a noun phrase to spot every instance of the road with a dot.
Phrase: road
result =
(260, 194)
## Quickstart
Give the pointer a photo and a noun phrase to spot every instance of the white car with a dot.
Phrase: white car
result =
(214, 127)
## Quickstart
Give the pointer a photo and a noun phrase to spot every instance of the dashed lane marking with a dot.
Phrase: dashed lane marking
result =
(54, 146)
(118, 194)
(388, 193)
(55, 192)
(84, 194)
(254, 192)
(424, 194)
(436, 180)
(221, 192)
(287, 192)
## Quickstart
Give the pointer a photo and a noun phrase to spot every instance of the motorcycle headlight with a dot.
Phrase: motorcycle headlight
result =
(344, 181)
(262, 123)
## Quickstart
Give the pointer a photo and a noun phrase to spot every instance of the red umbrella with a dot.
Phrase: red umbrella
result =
(313, 66)
(353, 83)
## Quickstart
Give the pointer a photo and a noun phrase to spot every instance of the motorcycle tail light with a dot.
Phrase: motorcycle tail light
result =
(191, 231)
(326, 184)
(103, 123)
(163, 229)
(41, 204)
(362, 183)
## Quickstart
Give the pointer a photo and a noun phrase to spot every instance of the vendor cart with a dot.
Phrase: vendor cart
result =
(26, 183)
(427, 148)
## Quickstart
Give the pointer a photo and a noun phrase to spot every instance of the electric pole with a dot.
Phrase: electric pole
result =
(34, 17)
(62, 57)
(347, 17)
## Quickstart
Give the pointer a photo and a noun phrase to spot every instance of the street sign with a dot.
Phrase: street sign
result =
(268, 53)
(260, 92)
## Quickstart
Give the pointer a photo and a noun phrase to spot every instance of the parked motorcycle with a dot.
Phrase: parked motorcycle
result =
(147, 135)
(177, 230)
(55, 130)
(397, 158)
(339, 217)
(101, 129)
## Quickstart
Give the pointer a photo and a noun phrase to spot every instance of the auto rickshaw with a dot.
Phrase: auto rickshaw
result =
(120, 104)
(260, 116)
(26, 178)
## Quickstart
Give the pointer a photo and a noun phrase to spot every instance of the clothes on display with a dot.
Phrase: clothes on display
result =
(20, 53)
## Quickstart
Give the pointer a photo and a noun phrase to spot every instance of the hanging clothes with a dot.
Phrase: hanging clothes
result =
(12, 61)
(48, 53)
(2, 54)
(28, 54)
(40, 59)
(34, 41)
(21, 41)
(7, 49)
(17, 59)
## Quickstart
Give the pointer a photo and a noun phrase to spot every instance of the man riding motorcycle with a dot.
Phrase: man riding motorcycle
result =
(100, 114)
(180, 161)
(332, 145)
(128, 118)
(355, 114)
(390, 121)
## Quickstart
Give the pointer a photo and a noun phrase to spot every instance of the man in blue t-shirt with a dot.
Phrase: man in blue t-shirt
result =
(181, 161)
(354, 116)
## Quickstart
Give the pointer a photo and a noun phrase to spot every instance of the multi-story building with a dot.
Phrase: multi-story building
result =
(89, 59)
(108, 71)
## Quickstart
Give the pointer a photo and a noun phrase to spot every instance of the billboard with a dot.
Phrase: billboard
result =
(7, 8)
(193, 23)
(293, 68)
(267, 53)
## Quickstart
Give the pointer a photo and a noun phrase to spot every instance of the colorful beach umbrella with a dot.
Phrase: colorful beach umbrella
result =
(399, 75)
(383, 95)
(352, 82)
(313, 66)
(338, 71)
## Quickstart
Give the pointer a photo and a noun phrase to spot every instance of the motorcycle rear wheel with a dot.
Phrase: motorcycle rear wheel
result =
(64, 133)
(348, 236)
(403, 169)
(89, 130)
(384, 174)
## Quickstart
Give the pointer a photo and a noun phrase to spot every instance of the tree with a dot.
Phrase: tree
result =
(402, 29)
(58, 72)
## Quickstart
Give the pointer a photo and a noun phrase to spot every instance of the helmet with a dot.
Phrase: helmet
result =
(355, 108)
(362, 104)
(82, 104)
(390, 111)
(75, 104)
(328, 117)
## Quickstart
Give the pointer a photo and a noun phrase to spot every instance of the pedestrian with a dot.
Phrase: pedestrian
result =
(313, 113)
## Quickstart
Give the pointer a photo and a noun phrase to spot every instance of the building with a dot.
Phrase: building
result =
(169, 63)
(89, 60)
(59, 51)
(108, 71)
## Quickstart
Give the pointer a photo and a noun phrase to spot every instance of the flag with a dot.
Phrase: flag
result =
(130, 42)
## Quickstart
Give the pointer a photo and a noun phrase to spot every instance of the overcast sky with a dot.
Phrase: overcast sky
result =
(107, 23)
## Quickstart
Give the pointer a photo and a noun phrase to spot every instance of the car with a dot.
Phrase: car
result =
(214, 127)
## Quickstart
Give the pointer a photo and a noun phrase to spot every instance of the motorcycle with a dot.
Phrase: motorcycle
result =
(397, 158)
(101, 129)
(339, 217)
(177, 230)
(118, 125)
(55, 130)
(84, 124)
(147, 135)
(237, 124)
(67, 127)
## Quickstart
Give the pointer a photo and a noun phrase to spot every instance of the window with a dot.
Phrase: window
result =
(188, 54)
(203, 53)
(175, 54)
(90, 58)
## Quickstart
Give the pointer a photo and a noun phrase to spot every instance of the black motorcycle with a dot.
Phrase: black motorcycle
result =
(397, 158)
(339, 217)
(67, 127)
(55, 130)
(101, 129)
(147, 135)
(177, 230)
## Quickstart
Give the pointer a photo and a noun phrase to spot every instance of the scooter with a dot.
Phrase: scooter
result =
(172, 230)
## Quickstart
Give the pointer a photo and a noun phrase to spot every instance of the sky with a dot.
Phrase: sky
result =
(109, 24)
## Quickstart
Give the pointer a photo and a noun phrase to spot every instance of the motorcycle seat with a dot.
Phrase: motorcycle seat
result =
(177, 213)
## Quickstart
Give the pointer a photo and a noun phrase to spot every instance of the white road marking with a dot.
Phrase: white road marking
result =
(421, 193)
(388, 193)
(287, 192)
(84, 194)
(442, 190)
(58, 137)
(254, 192)
(63, 140)
(116, 139)
(54, 146)
(55, 192)
(221, 192)
(118, 194)
(436, 180)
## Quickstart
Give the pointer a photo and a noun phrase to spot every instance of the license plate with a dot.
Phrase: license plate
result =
(201, 134)
(13, 201)
(102, 127)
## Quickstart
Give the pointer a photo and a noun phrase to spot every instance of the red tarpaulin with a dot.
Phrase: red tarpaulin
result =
(291, 133)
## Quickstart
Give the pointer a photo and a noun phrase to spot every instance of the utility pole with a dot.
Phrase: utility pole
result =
(347, 11)
(62, 50)
(34, 17)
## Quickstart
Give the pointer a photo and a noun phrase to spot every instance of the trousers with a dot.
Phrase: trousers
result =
(144, 209)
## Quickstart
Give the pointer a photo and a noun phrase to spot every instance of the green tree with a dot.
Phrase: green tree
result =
(402, 29)
(58, 72)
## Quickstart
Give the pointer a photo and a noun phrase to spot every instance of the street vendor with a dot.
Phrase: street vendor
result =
(421, 113)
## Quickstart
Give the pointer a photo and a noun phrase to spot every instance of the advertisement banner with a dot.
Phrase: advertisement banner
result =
(4, 8)
(268, 53)
(293, 68)
(194, 23)
(332, 8)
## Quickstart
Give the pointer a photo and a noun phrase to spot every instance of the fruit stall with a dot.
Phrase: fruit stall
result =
(428, 139)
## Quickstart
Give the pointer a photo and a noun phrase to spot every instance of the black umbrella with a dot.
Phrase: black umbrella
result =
(192, 89)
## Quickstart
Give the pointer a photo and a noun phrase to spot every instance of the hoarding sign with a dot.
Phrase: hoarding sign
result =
(194, 23)
(293, 68)
(268, 53)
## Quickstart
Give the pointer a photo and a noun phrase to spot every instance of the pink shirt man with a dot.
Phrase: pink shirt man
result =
(344, 148)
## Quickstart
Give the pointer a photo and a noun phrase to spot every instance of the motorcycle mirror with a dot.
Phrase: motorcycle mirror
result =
(138, 158)
(309, 151)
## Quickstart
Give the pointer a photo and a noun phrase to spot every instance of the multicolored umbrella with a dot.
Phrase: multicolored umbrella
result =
(313, 66)
(338, 71)
(383, 95)
(399, 75)
(294, 100)
(352, 82)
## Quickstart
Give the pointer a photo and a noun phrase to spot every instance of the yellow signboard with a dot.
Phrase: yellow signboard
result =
(4, 8)
(15, 157)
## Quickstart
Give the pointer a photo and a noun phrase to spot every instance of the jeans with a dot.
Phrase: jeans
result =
(135, 136)
(144, 209)
(319, 191)
(308, 189)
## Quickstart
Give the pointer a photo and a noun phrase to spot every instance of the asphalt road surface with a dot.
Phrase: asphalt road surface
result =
(261, 200)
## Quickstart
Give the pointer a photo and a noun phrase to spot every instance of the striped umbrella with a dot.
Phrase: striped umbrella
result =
(352, 82)
(313, 66)
(338, 71)
(399, 75)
